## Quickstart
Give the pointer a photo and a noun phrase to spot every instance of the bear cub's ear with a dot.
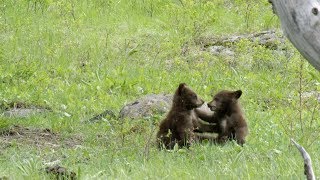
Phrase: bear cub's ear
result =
(237, 94)
(181, 88)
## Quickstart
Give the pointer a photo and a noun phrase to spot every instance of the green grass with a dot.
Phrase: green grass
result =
(82, 57)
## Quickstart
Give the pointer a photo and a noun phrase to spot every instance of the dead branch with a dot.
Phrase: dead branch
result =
(308, 171)
(301, 23)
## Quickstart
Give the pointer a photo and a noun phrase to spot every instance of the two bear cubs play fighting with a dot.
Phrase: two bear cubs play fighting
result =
(185, 118)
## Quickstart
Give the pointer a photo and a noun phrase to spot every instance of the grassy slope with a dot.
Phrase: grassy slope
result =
(85, 57)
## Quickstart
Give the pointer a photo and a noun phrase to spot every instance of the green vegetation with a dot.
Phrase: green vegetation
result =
(82, 57)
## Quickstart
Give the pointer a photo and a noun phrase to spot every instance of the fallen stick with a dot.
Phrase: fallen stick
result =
(308, 171)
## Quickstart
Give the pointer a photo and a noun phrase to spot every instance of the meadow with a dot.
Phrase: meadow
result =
(79, 58)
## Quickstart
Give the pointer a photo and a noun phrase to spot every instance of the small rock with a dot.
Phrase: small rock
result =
(67, 114)
(63, 106)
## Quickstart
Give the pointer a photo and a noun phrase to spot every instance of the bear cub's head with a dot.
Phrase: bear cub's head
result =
(187, 98)
(224, 101)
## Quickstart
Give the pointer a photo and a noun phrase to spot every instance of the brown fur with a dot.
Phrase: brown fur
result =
(228, 116)
(181, 120)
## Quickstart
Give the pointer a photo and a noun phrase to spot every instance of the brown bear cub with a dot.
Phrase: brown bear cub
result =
(228, 116)
(181, 120)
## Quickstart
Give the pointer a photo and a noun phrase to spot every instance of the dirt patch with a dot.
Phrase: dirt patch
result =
(36, 137)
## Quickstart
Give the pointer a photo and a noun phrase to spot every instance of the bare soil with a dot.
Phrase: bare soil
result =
(36, 137)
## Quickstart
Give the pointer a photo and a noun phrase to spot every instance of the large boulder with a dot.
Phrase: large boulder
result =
(147, 106)
(225, 46)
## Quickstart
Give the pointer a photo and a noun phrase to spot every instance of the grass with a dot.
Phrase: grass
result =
(81, 58)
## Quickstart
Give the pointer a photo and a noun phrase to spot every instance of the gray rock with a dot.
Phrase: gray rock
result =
(225, 45)
(269, 39)
(147, 106)
(23, 112)
(221, 51)
(150, 105)
(311, 94)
